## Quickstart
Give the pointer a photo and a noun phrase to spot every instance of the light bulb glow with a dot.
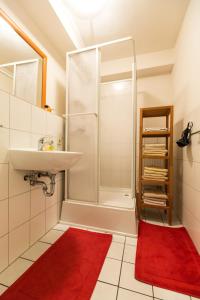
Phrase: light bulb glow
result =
(86, 8)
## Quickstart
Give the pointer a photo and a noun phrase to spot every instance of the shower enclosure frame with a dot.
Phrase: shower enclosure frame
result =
(98, 48)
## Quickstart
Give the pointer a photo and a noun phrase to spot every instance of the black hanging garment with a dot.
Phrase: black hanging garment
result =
(186, 136)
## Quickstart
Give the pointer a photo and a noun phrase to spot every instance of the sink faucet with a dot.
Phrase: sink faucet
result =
(46, 140)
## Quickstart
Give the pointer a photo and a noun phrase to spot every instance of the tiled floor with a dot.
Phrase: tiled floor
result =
(116, 280)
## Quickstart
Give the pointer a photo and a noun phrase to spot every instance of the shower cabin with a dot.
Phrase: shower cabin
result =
(101, 123)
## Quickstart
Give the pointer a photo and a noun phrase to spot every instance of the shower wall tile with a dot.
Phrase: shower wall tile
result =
(51, 216)
(4, 113)
(4, 142)
(37, 227)
(25, 213)
(3, 181)
(18, 241)
(37, 202)
(4, 217)
(38, 120)
(19, 210)
(20, 139)
(20, 114)
(17, 185)
(3, 252)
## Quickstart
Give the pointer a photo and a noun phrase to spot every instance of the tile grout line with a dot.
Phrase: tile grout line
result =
(121, 268)
(27, 259)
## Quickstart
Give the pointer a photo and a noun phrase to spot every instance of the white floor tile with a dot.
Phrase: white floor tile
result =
(168, 295)
(110, 271)
(36, 251)
(2, 289)
(104, 291)
(129, 254)
(92, 230)
(14, 271)
(131, 241)
(118, 238)
(128, 295)
(129, 282)
(51, 236)
(62, 227)
(192, 298)
(116, 250)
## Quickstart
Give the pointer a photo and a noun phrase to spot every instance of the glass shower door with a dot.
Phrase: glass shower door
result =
(83, 124)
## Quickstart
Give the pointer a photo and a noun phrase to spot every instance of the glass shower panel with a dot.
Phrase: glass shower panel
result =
(83, 72)
(83, 124)
(116, 117)
(83, 176)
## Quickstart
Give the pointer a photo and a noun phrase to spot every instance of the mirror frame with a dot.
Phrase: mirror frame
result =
(26, 38)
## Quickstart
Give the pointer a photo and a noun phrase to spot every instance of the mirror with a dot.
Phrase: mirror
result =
(22, 64)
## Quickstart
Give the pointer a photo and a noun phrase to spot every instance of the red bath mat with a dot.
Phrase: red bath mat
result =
(166, 257)
(66, 271)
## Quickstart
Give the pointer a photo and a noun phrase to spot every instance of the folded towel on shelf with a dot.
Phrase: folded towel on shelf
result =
(154, 199)
(154, 203)
(155, 195)
(154, 178)
(155, 129)
(156, 169)
(156, 150)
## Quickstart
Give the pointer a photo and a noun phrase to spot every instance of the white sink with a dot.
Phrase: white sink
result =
(49, 161)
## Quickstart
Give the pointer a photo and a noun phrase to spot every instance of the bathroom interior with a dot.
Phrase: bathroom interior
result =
(99, 149)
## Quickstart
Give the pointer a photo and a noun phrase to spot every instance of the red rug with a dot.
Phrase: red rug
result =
(166, 257)
(66, 271)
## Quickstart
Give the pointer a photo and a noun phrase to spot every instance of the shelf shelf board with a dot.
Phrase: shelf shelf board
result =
(154, 182)
(156, 111)
(156, 133)
(154, 206)
(155, 156)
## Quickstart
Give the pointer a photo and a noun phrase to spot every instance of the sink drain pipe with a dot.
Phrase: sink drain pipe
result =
(33, 179)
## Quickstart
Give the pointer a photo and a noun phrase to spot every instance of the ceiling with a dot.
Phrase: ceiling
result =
(154, 24)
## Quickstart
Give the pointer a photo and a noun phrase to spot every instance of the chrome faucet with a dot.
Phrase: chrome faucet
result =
(48, 140)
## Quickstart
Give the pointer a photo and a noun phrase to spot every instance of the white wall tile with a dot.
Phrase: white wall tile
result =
(60, 191)
(51, 124)
(51, 217)
(60, 126)
(27, 214)
(37, 201)
(18, 241)
(37, 228)
(38, 120)
(20, 114)
(20, 139)
(4, 113)
(3, 252)
(53, 199)
(3, 217)
(17, 184)
(19, 210)
(4, 144)
(35, 140)
(3, 181)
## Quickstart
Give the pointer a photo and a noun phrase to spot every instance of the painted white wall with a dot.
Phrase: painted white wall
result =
(186, 88)
(152, 91)
(155, 63)
(55, 67)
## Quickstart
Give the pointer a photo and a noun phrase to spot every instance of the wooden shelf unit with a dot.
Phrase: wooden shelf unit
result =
(151, 112)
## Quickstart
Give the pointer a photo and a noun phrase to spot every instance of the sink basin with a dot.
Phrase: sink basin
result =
(48, 161)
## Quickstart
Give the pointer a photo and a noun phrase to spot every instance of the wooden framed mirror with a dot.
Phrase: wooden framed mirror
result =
(23, 62)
